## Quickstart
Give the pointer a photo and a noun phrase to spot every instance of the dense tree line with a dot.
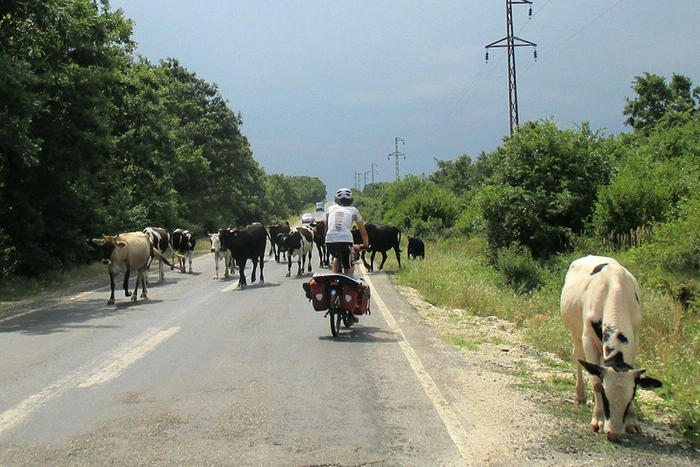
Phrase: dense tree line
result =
(546, 190)
(96, 140)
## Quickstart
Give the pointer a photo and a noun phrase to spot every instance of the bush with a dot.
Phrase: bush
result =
(520, 269)
(543, 186)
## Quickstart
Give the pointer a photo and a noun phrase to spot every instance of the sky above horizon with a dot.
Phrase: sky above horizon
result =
(325, 87)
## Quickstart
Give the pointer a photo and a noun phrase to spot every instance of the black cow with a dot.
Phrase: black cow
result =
(381, 239)
(416, 247)
(183, 242)
(274, 230)
(299, 242)
(319, 228)
(246, 243)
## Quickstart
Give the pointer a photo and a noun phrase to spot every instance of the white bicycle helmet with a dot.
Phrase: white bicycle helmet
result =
(343, 193)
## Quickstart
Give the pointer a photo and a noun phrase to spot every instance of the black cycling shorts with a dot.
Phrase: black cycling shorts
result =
(342, 251)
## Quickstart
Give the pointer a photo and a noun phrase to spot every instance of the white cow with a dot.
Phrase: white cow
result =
(600, 305)
(220, 253)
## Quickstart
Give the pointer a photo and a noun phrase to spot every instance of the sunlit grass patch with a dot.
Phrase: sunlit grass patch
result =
(463, 342)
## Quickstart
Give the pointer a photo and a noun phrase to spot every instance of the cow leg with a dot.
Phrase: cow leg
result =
(381, 266)
(262, 266)
(189, 257)
(310, 254)
(364, 261)
(398, 256)
(241, 274)
(161, 275)
(371, 260)
(320, 257)
(216, 267)
(289, 266)
(255, 266)
(136, 286)
(144, 283)
(580, 384)
(111, 285)
(127, 272)
(592, 353)
(301, 257)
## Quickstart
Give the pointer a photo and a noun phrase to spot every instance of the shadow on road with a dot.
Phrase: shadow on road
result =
(360, 333)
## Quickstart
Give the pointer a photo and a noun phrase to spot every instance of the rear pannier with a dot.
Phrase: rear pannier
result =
(317, 292)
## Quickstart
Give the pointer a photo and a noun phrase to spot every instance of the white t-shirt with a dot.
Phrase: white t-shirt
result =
(339, 220)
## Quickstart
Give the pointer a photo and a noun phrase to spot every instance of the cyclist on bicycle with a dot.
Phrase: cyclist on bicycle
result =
(339, 220)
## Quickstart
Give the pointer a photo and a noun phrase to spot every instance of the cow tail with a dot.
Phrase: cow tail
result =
(400, 250)
(155, 251)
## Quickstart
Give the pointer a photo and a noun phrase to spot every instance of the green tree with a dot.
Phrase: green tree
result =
(657, 99)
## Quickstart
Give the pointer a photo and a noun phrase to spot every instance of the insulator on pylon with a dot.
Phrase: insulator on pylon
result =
(487, 57)
(530, 13)
(535, 54)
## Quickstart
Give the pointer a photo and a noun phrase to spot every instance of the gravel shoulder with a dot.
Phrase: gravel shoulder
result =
(521, 400)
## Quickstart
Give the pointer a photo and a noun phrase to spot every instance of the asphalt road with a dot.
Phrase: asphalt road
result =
(205, 373)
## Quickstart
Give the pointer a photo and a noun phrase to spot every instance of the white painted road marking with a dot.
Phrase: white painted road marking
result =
(98, 371)
(125, 356)
(449, 417)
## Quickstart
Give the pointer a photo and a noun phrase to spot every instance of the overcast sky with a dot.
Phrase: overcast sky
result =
(324, 87)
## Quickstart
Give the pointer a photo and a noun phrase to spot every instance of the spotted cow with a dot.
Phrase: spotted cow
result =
(601, 306)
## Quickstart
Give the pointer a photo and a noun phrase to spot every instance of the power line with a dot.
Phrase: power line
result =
(577, 32)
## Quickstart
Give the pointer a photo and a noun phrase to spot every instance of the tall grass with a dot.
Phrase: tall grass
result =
(456, 273)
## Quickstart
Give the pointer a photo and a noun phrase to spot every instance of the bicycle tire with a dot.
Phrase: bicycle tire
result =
(335, 317)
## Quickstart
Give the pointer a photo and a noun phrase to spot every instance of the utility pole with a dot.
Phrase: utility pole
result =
(365, 174)
(357, 180)
(511, 42)
(396, 154)
(373, 166)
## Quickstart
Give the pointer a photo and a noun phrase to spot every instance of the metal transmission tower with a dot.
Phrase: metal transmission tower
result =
(396, 154)
(373, 166)
(511, 42)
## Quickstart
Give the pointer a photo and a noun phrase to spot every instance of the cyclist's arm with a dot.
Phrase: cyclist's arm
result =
(363, 233)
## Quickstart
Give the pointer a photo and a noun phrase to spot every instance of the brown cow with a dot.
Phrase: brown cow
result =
(124, 252)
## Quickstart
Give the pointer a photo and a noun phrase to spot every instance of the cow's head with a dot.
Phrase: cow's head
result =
(108, 244)
(215, 242)
(618, 386)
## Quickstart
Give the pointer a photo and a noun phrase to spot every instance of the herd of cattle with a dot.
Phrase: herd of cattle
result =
(600, 300)
(134, 251)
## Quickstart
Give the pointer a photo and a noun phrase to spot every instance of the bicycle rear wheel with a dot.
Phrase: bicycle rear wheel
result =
(336, 316)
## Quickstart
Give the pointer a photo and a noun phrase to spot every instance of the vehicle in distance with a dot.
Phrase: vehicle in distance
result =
(319, 206)
(307, 218)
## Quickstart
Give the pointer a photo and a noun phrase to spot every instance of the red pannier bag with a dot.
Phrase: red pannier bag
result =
(349, 299)
(362, 301)
(319, 295)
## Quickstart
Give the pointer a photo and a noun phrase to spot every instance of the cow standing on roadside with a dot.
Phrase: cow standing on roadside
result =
(160, 239)
(246, 243)
(299, 242)
(416, 248)
(601, 306)
(381, 239)
(220, 253)
(183, 242)
(274, 230)
(126, 252)
(319, 228)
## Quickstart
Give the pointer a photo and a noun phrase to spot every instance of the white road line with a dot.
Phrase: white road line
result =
(447, 414)
(229, 288)
(98, 371)
(126, 356)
